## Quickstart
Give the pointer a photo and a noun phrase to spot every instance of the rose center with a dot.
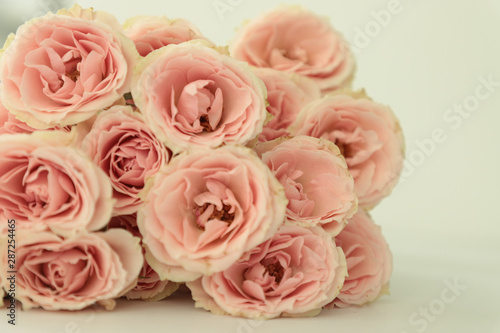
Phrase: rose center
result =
(60, 272)
(72, 62)
(298, 54)
(205, 123)
(36, 203)
(345, 149)
(222, 215)
(200, 107)
(275, 269)
(37, 191)
(73, 75)
(127, 164)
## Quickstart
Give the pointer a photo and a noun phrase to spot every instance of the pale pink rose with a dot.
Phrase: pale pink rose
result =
(150, 33)
(369, 262)
(287, 94)
(368, 135)
(294, 274)
(61, 69)
(149, 286)
(206, 208)
(194, 96)
(124, 147)
(318, 186)
(71, 274)
(294, 39)
(45, 185)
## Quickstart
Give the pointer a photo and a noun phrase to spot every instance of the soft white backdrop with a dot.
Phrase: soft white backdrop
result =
(427, 60)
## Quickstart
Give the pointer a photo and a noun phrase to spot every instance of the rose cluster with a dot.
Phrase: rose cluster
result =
(139, 157)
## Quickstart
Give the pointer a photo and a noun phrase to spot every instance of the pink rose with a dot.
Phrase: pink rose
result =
(193, 96)
(206, 208)
(368, 135)
(149, 286)
(71, 274)
(286, 94)
(294, 274)
(318, 186)
(61, 69)
(122, 145)
(45, 185)
(369, 262)
(150, 33)
(293, 39)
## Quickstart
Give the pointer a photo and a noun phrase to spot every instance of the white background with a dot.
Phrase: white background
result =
(442, 221)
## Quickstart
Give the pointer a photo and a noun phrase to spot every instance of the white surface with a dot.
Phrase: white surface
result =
(442, 222)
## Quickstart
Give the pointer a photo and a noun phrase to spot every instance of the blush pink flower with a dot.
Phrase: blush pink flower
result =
(61, 69)
(293, 39)
(194, 96)
(206, 208)
(368, 135)
(149, 286)
(369, 262)
(124, 147)
(150, 33)
(287, 94)
(71, 274)
(45, 185)
(318, 186)
(294, 274)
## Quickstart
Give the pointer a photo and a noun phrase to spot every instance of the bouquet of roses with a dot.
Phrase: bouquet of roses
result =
(135, 158)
